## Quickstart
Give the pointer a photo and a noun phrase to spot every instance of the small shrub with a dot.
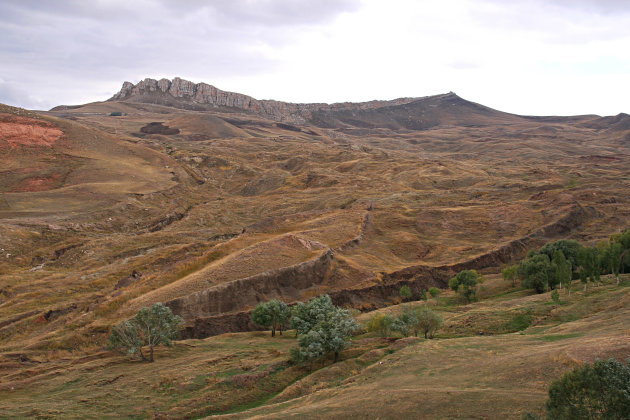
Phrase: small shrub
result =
(115, 114)
(555, 296)
(405, 292)
(435, 293)
(381, 324)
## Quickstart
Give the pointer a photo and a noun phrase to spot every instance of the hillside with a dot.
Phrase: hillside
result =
(211, 202)
(477, 366)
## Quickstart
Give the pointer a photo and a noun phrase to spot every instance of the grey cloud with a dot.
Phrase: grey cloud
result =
(599, 6)
(11, 95)
(119, 40)
(269, 12)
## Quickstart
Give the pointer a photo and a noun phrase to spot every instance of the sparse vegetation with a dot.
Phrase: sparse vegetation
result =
(231, 196)
(150, 327)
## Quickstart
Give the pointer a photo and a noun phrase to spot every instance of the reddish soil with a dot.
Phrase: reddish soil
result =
(24, 132)
(38, 183)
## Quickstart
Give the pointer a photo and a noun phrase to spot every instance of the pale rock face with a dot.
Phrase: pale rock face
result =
(164, 85)
(181, 88)
(125, 90)
(203, 93)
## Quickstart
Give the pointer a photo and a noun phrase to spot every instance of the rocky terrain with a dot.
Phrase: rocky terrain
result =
(212, 201)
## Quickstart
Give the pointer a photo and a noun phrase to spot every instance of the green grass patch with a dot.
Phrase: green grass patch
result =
(557, 337)
(519, 322)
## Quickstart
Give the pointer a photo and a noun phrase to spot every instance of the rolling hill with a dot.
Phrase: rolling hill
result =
(212, 201)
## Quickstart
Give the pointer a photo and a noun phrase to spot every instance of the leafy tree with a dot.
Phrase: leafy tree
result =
(610, 257)
(435, 293)
(465, 284)
(509, 274)
(534, 272)
(151, 326)
(307, 315)
(624, 240)
(590, 263)
(428, 322)
(322, 327)
(569, 247)
(405, 292)
(562, 270)
(597, 391)
(381, 324)
(405, 322)
(273, 314)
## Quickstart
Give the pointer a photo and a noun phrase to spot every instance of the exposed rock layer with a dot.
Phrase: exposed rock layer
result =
(210, 318)
(186, 94)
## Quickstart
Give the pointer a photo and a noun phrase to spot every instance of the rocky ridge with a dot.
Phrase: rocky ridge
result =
(183, 93)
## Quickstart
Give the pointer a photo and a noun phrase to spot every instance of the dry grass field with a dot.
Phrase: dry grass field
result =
(481, 365)
(101, 215)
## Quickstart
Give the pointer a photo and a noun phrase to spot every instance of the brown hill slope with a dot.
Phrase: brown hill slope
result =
(161, 215)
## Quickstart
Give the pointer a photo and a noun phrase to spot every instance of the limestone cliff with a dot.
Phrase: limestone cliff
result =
(186, 94)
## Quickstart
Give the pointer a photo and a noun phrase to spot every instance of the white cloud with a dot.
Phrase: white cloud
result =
(530, 57)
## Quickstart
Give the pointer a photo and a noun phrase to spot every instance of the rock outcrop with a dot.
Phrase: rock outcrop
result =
(287, 283)
(185, 94)
(219, 310)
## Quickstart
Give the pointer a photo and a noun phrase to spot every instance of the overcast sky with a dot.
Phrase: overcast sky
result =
(533, 57)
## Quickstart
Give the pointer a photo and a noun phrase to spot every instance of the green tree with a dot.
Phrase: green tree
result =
(562, 270)
(323, 328)
(465, 284)
(624, 240)
(405, 322)
(597, 391)
(435, 293)
(428, 322)
(610, 256)
(569, 247)
(534, 272)
(273, 314)
(509, 274)
(590, 263)
(405, 292)
(150, 327)
(381, 324)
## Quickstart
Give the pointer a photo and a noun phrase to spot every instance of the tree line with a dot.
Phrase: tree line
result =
(558, 263)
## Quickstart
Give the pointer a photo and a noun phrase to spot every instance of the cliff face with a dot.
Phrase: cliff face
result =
(186, 94)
